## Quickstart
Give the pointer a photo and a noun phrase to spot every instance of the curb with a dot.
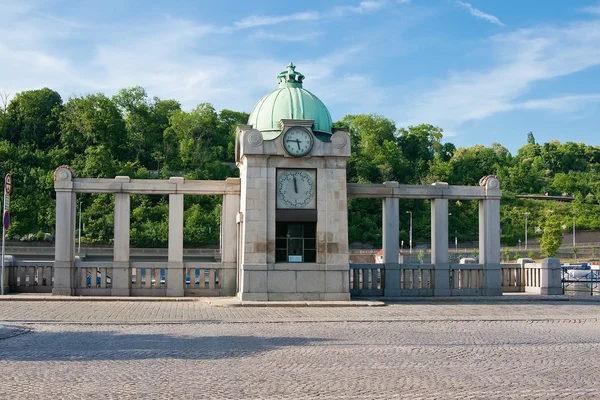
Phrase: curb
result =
(299, 304)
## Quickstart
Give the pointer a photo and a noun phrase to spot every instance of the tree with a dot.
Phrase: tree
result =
(93, 120)
(552, 236)
(575, 250)
(32, 118)
(530, 138)
(506, 254)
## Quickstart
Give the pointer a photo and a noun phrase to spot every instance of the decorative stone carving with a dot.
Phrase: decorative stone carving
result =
(255, 137)
(64, 173)
(339, 139)
(490, 182)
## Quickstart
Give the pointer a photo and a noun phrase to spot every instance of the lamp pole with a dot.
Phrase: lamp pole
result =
(410, 232)
(79, 240)
(526, 216)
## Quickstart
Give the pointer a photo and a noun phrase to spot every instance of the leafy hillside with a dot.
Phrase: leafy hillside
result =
(142, 137)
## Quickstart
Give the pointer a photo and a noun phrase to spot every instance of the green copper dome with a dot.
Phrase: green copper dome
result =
(290, 101)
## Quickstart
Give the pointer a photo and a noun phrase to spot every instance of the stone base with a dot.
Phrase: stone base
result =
(61, 291)
(294, 296)
(295, 282)
(120, 292)
(175, 292)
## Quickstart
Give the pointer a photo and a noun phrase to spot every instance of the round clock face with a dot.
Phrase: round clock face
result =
(296, 188)
(297, 141)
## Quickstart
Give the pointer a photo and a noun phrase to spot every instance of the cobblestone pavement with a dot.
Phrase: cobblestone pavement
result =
(135, 350)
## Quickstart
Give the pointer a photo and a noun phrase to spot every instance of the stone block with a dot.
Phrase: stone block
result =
(310, 281)
(281, 281)
(175, 281)
(334, 297)
(228, 282)
(256, 281)
(294, 297)
(253, 296)
(337, 281)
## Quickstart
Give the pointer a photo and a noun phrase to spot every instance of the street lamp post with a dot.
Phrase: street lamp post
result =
(526, 216)
(79, 240)
(410, 232)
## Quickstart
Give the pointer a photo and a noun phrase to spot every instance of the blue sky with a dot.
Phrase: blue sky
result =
(484, 71)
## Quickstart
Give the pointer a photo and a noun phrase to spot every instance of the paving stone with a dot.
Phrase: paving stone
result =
(190, 350)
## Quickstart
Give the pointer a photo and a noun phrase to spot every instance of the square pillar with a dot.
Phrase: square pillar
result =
(551, 277)
(121, 276)
(254, 200)
(229, 250)
(439, 245)
(489, 246)
(390, 242)
(175, 269)
(64, 258)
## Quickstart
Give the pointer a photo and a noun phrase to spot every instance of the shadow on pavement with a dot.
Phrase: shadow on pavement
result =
(112, 345)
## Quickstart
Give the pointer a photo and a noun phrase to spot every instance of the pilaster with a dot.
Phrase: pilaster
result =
(439, 245)
(121, 279)
(229, 250)
(175, 273)
(390, 240)
(64, 258)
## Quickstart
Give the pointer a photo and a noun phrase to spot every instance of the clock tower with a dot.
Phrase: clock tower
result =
(293, 217)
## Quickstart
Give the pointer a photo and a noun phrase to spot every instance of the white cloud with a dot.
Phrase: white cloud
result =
(257, 20)
(591, 10)
(559, 104)
(363, 7)
(285, 37)
(525, 57)
(479, 14)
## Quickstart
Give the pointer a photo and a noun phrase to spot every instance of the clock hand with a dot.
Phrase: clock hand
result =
(298, 143)
(295, 186)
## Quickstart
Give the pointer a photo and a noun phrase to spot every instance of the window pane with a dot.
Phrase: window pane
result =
(310, 230)
(281, 256)
(310, 244)
(295, 247)
(281, 229)
(295, 230)
(281, 244)
(310, 256)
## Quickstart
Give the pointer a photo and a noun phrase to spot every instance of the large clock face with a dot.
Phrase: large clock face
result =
(296, 188)
(297, 141)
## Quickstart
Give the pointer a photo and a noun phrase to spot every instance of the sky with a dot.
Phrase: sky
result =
(484, 71)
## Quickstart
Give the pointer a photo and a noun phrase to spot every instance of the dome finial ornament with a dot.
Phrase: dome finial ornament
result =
(290, 77)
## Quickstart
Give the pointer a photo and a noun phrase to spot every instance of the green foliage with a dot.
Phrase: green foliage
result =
(531, 254)
(506, 256)
(145, 137)
(552, 236)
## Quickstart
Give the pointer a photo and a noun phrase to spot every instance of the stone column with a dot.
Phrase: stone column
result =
(253, 205)
(229, 250)
(551, 276)
(489, 236)
(64, 258)
(439, 245)
(390, 240)
(121, 276)
(175, 271)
